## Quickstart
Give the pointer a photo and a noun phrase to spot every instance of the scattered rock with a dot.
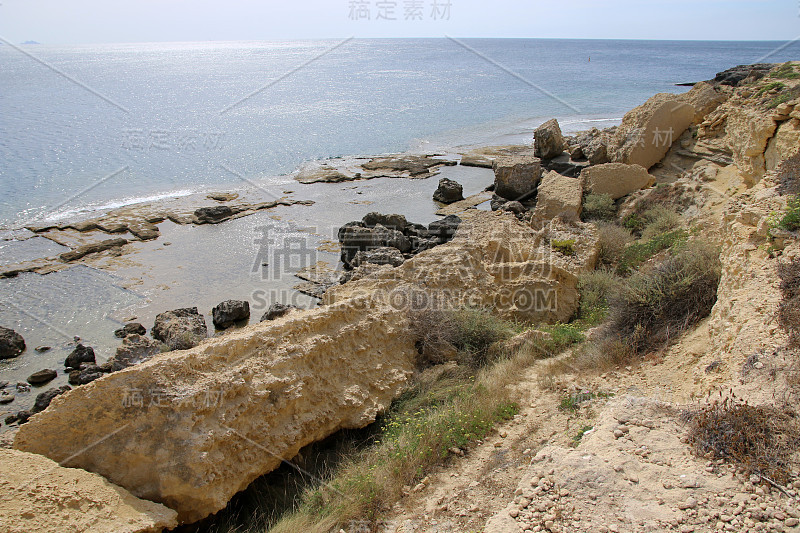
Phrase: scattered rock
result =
(42, 348)
(277, 310)
(412, 165)
(476, 161)
(513, 207)
(11, 343)
(394, 221)
(223, 196)
(736, 75)
(81, 354)
(43, 399)
(227, 313)
(42, 376)
(134, 328)
(180, 329)
(548, 142)
(448, 192)
(6, 397)
(516, 177)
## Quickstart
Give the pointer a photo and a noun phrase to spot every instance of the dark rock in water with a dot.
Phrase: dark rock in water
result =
(548, 142)
(379, 256)
(444, 229)
(11, 343)
(343, 229)
(416, 230)
(396, 222)
(213, 215)
(276, 311)
(736, 75)
(42, 349)
(21, 417)
(6, 397)
(357, 238)
(565, 166)
(513, 207)
(44, 399)
(180, 329)
(133, 328)
(497, 202)
(422, 244)
(229, 312)
(449, 191)
(23, 387)
(81, 354)
(394, 239)
(42, 376)
(134, 349)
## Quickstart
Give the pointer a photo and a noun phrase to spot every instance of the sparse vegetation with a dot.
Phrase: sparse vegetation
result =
(785, 72)
(576, 440)
(639, 252)
(613, 239)
(789, 308)
(790, 220)
(572, 402)
(564, 247)
(595, 288)
(758, 439)
(598, 207)
(657, 303)
(775, 85)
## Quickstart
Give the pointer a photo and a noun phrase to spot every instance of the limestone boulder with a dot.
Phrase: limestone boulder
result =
(558, 196)
(38, 494)
(227, 313)
(134, 350)
(276, 311)
(516, 176)
(180, 329)
(705, 99)
(648, 131)
(747, 132)
(190, 429)
(548, 142)
(784, 144)
(616, 179)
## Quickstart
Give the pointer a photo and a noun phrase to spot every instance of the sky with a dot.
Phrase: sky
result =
(117, 21)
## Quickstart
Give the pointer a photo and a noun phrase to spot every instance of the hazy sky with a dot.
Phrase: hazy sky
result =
(98, 21)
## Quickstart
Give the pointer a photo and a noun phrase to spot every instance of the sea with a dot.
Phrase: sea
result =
(86, 129)
(92, 127)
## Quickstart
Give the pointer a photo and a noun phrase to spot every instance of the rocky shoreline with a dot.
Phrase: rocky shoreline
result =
(183, 419)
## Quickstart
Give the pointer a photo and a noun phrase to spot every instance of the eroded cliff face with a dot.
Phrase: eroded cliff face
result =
(190, 429)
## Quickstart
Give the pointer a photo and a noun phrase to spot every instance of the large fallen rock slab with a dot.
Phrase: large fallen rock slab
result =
(558, 196)
(548, 142)
(648, 131)
(616, 179)
(180, 329)
(37, 494)
(192, 428)
(705, 99)
(493, 261)
(784, 144)
(747, 132)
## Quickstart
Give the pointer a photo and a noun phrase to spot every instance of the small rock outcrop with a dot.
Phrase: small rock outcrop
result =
(558, 196)
(648, 131)
(213, 215)
(11, 343)
(449, 191)
(277, 310)
(616, 179)
(516, 176)
(227, 313)
(743, 73)
(81, 354)
(548, 142)
(92, 248)
(445, 229)
(86, 502)
(132, 328)
(180, 329)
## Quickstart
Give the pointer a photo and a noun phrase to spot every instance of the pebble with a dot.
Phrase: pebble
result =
(791, 522)
(6, 397)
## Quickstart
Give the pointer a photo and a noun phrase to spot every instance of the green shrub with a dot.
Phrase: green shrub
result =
(770, 86)
(657, 303)
(598, 207)
(790, 221)
(564, 247)
(576, 440)
(639, 252)
(595, 288)
(612, 240)
(659, 220)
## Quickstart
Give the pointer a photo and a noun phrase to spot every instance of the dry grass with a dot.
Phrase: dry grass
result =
(613, 239)
(598, 207)
(789, 308)
(758, 439)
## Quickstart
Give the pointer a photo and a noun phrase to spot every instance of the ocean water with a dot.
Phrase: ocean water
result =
(86, 128)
